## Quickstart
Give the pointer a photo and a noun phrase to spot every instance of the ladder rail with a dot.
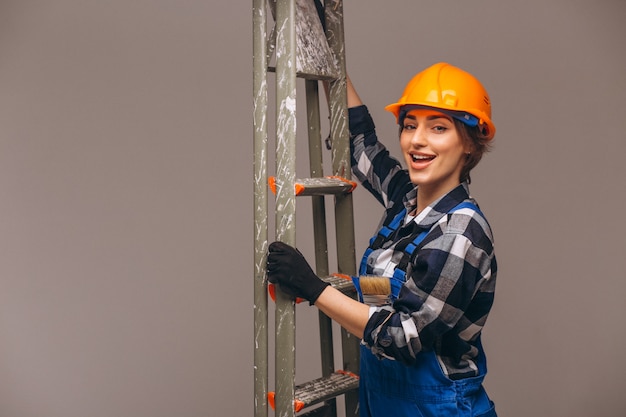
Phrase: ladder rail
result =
(260, 104)
(285, 337)
(344, 208)
(320, 235)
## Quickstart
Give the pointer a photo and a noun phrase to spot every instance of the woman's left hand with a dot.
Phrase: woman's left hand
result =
(287, 267)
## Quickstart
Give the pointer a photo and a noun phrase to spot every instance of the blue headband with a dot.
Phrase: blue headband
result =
(468, 119)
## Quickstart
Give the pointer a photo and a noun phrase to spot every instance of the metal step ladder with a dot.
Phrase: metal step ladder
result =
(307, 41)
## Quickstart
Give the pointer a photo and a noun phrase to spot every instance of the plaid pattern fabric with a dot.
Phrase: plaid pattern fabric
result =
(451, 278)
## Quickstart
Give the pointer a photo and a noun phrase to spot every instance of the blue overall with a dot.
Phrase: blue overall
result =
(389, 388)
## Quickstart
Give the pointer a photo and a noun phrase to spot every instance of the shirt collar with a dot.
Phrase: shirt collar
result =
(438, 208)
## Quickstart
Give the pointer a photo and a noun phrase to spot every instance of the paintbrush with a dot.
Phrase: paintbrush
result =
(375, 290)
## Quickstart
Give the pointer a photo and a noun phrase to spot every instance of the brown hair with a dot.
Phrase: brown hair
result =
(478, 143)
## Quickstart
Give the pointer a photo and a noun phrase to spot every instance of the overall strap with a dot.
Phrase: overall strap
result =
(380, 236)
(469, 205)
(386, 231)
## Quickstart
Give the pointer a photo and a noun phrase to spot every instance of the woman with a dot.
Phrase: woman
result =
(421, 353)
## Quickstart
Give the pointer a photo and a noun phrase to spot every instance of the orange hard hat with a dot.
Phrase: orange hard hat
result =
(446, 87)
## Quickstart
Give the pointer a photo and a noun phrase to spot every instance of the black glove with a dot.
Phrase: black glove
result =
(287, 267)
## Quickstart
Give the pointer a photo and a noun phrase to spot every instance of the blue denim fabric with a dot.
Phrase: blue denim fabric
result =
(391, 389)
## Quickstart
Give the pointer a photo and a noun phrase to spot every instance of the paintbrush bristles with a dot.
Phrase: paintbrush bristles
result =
(375, 285)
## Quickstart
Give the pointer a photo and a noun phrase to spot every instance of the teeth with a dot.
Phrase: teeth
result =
(421, 157)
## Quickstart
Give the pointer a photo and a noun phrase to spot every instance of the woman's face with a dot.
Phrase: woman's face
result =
(433, 150)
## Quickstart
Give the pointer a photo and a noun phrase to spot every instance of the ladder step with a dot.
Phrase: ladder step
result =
(314, 58)
(341, 282)
(325, 410)
(321, 389)
(332, 185)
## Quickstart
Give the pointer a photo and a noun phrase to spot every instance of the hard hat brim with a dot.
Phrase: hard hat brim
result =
(470, 118)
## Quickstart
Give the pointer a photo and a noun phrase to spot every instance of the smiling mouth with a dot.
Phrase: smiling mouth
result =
(422, 158)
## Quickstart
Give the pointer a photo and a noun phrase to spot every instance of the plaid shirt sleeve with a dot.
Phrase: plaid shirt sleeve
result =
(447, 297)
(381, 174)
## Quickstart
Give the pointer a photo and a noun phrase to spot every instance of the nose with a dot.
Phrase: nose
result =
(418, 136)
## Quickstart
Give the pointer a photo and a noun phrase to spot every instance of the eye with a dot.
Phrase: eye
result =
(440, 129)
(408, 126)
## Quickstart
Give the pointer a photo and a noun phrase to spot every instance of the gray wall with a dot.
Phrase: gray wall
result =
(126, 198)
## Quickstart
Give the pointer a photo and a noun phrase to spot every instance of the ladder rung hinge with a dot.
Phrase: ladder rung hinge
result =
(321, 389)
(332, 185)
(309, 76)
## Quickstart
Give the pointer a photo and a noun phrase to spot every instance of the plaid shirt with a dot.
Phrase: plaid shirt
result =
(451, 278)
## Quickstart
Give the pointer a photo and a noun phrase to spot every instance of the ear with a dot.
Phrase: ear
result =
(468, 147)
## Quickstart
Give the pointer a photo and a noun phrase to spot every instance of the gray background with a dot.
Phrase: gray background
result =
(126, 198)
